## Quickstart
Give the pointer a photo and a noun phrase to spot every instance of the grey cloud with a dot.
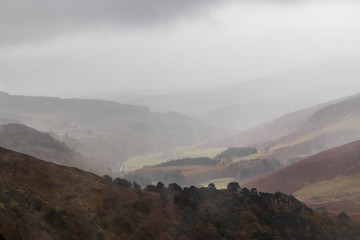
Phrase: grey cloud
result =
(22, 20)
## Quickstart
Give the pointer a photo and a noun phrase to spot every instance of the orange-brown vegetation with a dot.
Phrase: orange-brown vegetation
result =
(324, 166)
(42, 200)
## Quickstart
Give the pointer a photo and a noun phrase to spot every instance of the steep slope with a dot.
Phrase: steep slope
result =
(337, 168)
(303, 133)
(331, 126)
(27, 140)
(104, 130)
(41, 200)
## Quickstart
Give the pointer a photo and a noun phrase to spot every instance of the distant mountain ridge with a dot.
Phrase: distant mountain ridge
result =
(104, 130)
(249, 103)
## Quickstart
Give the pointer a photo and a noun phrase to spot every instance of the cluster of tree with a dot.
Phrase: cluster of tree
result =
(239, 213)
(115, 211)
(123, 182)
(234, 152)
(193, 174)
(249, 168)
(41, 200)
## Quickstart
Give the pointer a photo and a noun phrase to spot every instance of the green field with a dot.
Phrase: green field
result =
(144, 160)
(177, 153)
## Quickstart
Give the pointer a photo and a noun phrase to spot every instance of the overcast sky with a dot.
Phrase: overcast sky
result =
(82, 47)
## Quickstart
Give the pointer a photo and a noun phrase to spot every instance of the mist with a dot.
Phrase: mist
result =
(179, 119)
(82, 49)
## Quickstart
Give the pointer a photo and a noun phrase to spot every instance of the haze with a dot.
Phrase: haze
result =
(75, 49)
(207, 119)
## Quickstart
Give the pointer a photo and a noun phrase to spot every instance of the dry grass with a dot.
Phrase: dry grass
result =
(177, 153)
(144, 160)
(195, 151)
(338, 189)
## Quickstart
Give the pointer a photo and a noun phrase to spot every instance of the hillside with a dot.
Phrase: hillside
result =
(329, 178)
(27, 140)
(269, 131)
(303, 133)
(42, 200)
(328, 127)
(107, 131)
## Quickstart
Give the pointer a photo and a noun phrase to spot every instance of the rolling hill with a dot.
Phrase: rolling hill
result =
(330, 178)
(29, 141)
(107, 131)
(42, 200)
(303, 133)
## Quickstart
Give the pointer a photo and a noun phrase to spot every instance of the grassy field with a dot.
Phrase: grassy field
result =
(340, 188)
(144, 160)
(195, 151)
(220, 183)
(178, 153)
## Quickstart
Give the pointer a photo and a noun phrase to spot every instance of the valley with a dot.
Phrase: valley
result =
(284, 141)
(179, 120)
(104, 131)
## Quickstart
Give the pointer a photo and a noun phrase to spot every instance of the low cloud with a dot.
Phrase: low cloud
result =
(23, 20)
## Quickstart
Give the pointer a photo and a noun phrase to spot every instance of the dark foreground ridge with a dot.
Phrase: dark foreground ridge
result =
(42, 200)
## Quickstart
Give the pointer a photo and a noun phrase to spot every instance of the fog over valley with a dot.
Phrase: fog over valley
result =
(179, 119)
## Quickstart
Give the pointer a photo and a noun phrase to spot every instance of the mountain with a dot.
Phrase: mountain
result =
(42, 200)
(249, 103)
(303, 133)
(28, 140)
(330, 178)
(107, 131)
